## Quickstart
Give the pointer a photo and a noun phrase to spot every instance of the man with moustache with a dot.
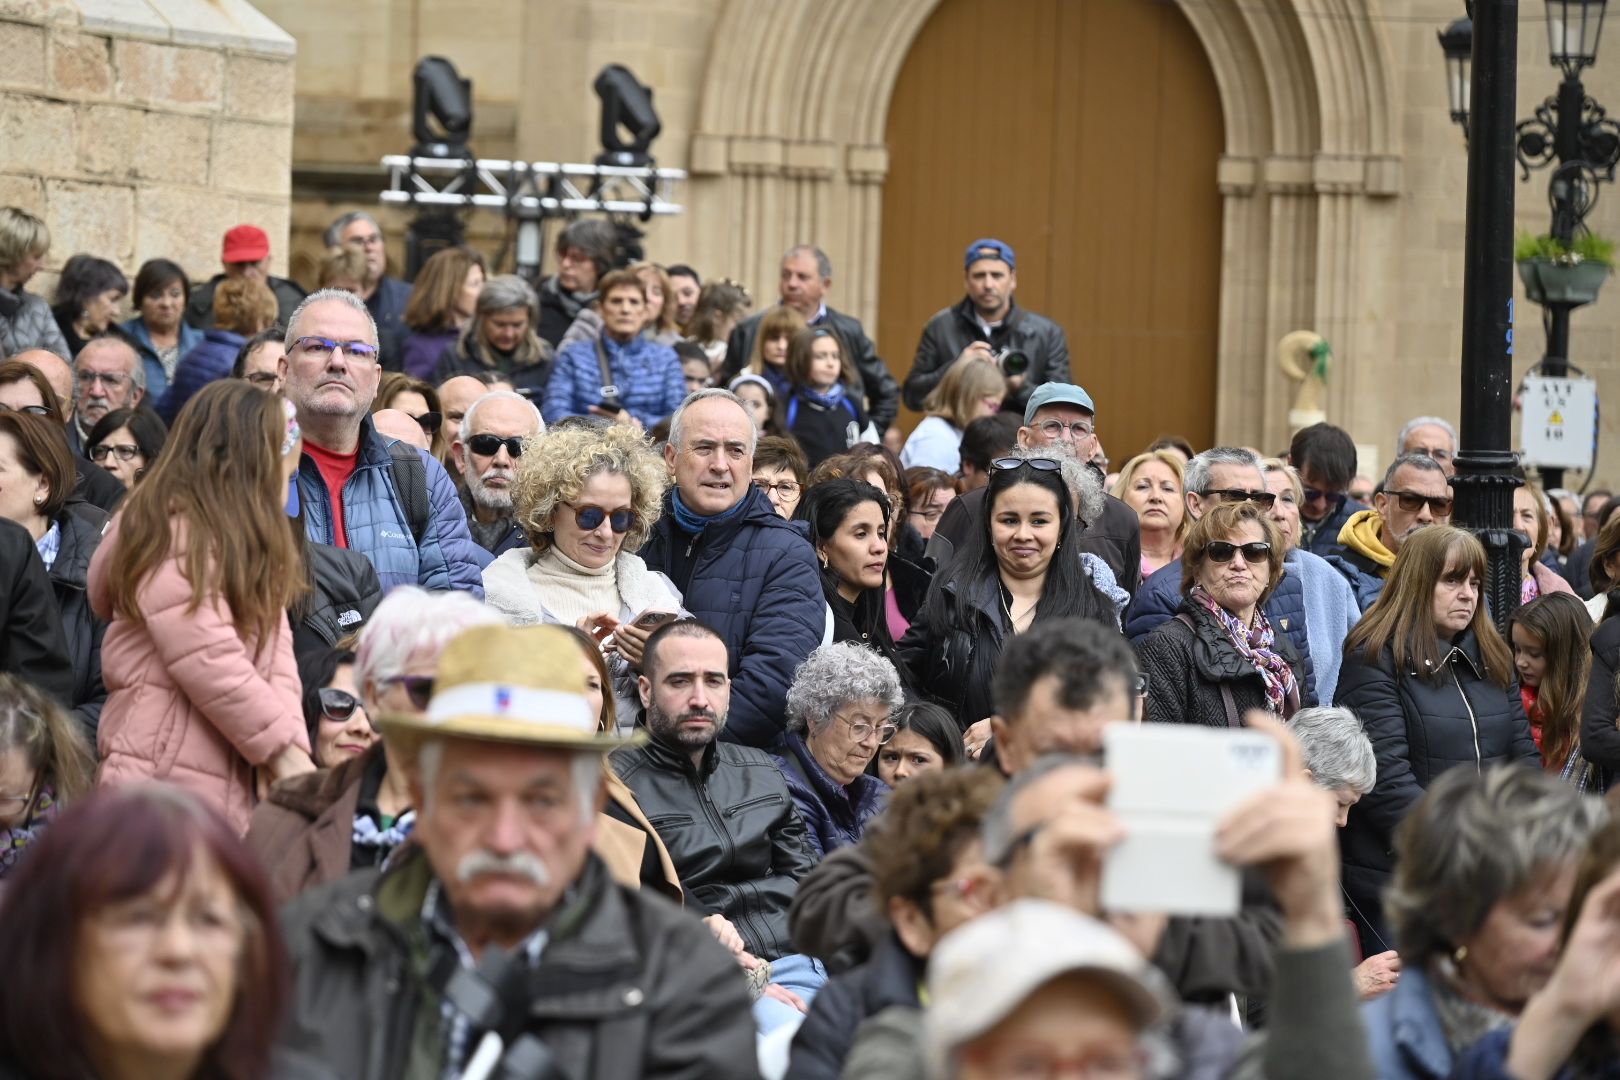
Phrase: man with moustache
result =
(485, 451)
(724, 813)
(1414, 494)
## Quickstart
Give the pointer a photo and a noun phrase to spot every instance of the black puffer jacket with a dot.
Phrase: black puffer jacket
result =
(344, 591)
(1600, 737)
(1419, 728)
(889, 978)
(82, 526)
(31, 641)
(1186, 667)
(955, 328)
(732, 831)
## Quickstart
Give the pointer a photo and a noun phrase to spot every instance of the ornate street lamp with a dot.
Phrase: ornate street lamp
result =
(1573, 29)
(1457, 42)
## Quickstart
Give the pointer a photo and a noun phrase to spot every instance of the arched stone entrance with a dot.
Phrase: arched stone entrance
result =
(1306, 90)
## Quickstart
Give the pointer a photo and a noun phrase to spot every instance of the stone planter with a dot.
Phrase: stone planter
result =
(1548, 282)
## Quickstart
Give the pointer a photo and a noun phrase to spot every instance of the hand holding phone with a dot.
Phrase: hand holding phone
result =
(1172, 786)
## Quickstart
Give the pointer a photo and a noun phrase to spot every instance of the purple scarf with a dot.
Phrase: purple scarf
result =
(1255, 644)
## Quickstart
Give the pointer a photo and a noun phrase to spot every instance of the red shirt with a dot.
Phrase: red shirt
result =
(335, 471)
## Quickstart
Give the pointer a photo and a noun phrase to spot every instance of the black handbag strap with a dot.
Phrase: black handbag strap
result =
(610, 391)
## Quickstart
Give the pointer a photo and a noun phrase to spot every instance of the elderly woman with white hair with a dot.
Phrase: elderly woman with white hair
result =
(840, 709)
(1339, 759)
(318, 826)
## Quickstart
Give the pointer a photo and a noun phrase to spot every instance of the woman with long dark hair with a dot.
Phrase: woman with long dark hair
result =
(849, 528)
(1020, 567)
(195, 576)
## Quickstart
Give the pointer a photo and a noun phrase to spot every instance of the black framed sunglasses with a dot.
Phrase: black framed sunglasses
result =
(430, 422)
(1039, 464)
(337, 704)
(418, 688)
(1222, 552)
(490, 445)
(1412, 502)
(590, 519)
(1334, 499)
(1263, 499)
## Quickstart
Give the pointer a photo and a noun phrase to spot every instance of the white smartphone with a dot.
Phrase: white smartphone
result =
(1171, 785)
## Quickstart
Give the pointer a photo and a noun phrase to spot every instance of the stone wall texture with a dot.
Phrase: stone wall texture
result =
(145, 128)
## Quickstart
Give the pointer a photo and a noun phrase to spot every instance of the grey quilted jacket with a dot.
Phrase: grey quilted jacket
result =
(32, 326)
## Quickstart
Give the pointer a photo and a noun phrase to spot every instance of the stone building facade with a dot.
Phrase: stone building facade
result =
(142, 128)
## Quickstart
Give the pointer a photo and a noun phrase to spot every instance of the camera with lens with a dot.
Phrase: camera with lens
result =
(1012, 362)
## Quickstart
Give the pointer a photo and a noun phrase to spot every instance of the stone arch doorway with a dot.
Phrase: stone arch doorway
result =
(1089, 139)
(789, 146)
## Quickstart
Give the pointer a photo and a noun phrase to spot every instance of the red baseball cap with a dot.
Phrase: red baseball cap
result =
(245, 243)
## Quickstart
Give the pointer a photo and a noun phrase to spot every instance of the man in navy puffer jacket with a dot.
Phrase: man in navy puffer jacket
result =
(347, 482)
(739, 566)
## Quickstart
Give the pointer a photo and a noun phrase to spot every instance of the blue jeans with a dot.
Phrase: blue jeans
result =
(803, 975)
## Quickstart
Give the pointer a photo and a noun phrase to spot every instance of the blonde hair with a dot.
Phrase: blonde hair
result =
(957, 395)
(21, 235)
(1170, 460)
(245, 306)
(557, 464)
(342, 264)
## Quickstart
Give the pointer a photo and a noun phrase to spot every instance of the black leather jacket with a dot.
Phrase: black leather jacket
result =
(732, 831)
(882, 392)
(955, 328)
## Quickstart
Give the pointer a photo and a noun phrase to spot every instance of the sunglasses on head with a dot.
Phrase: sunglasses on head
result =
(590, 519)
(418, 688)
(1412, 502)
(338, 705)
(1260, 498)
(431, 422)
(490, 445)
(1039, 464)
(1222, 552)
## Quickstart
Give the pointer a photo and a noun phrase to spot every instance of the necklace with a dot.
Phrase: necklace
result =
(1013, 620)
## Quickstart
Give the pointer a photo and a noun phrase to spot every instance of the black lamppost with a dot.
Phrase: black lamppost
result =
(1485, 481)
(1569, 129)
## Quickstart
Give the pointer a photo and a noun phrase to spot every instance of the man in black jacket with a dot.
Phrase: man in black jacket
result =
(988, 321)
(806, 278)
(1057, 414)
(585, 251)
(723, 811)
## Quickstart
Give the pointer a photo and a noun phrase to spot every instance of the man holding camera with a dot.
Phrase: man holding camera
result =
(1030, 348)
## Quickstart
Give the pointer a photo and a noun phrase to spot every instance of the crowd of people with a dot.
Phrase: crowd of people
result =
(589, 678)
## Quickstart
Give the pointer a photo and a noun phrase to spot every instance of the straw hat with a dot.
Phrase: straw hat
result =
(509, 684)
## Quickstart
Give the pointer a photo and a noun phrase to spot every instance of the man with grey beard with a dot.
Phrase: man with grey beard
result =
(724, 812)
(486, 451)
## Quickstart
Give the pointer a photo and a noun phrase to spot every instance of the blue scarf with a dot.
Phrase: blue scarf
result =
(690, 521)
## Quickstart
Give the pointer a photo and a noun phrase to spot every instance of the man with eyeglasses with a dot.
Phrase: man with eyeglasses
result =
(1057, 414)
(1431, 436)
(1229, 474)
(739, 565)
(385, 296)
(1414, 494)
(394, 504)
(107, 375)
(486, 449)
(724, 811)
(1325, 459)
(246, 254)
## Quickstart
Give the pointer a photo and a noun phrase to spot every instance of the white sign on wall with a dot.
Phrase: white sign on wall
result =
(1560, 417)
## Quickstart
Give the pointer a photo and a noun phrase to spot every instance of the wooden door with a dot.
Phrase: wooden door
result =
(1086, 134)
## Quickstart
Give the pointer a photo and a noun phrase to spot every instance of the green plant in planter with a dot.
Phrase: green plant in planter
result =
(1586, 247)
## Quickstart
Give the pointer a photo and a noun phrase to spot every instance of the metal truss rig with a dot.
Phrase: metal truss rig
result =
(531, 190)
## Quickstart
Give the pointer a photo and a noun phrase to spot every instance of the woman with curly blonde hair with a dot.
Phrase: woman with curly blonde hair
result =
(587, 496)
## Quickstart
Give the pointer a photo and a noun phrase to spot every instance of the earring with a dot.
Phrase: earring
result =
(823, 556)
(1460, 955)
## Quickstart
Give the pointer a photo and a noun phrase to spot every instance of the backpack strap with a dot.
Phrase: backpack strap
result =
(410, 481)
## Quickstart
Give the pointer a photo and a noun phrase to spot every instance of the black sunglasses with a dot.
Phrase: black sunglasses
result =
(418, 688)
(1260, 498)
(1222, 552)
(1412, 502)
(1334, 499)
(490, 445)
(1039, 464)
(338, 705)
(431, 422)
(590, 519)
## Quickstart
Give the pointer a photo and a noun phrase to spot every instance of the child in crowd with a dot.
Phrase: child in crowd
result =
(822, 409)
(777, 329)
(1553, 658)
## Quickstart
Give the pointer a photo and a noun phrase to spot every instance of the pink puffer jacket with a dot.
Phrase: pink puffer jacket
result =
(188, 702)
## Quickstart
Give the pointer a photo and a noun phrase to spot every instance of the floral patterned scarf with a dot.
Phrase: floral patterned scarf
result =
(1256, 644)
